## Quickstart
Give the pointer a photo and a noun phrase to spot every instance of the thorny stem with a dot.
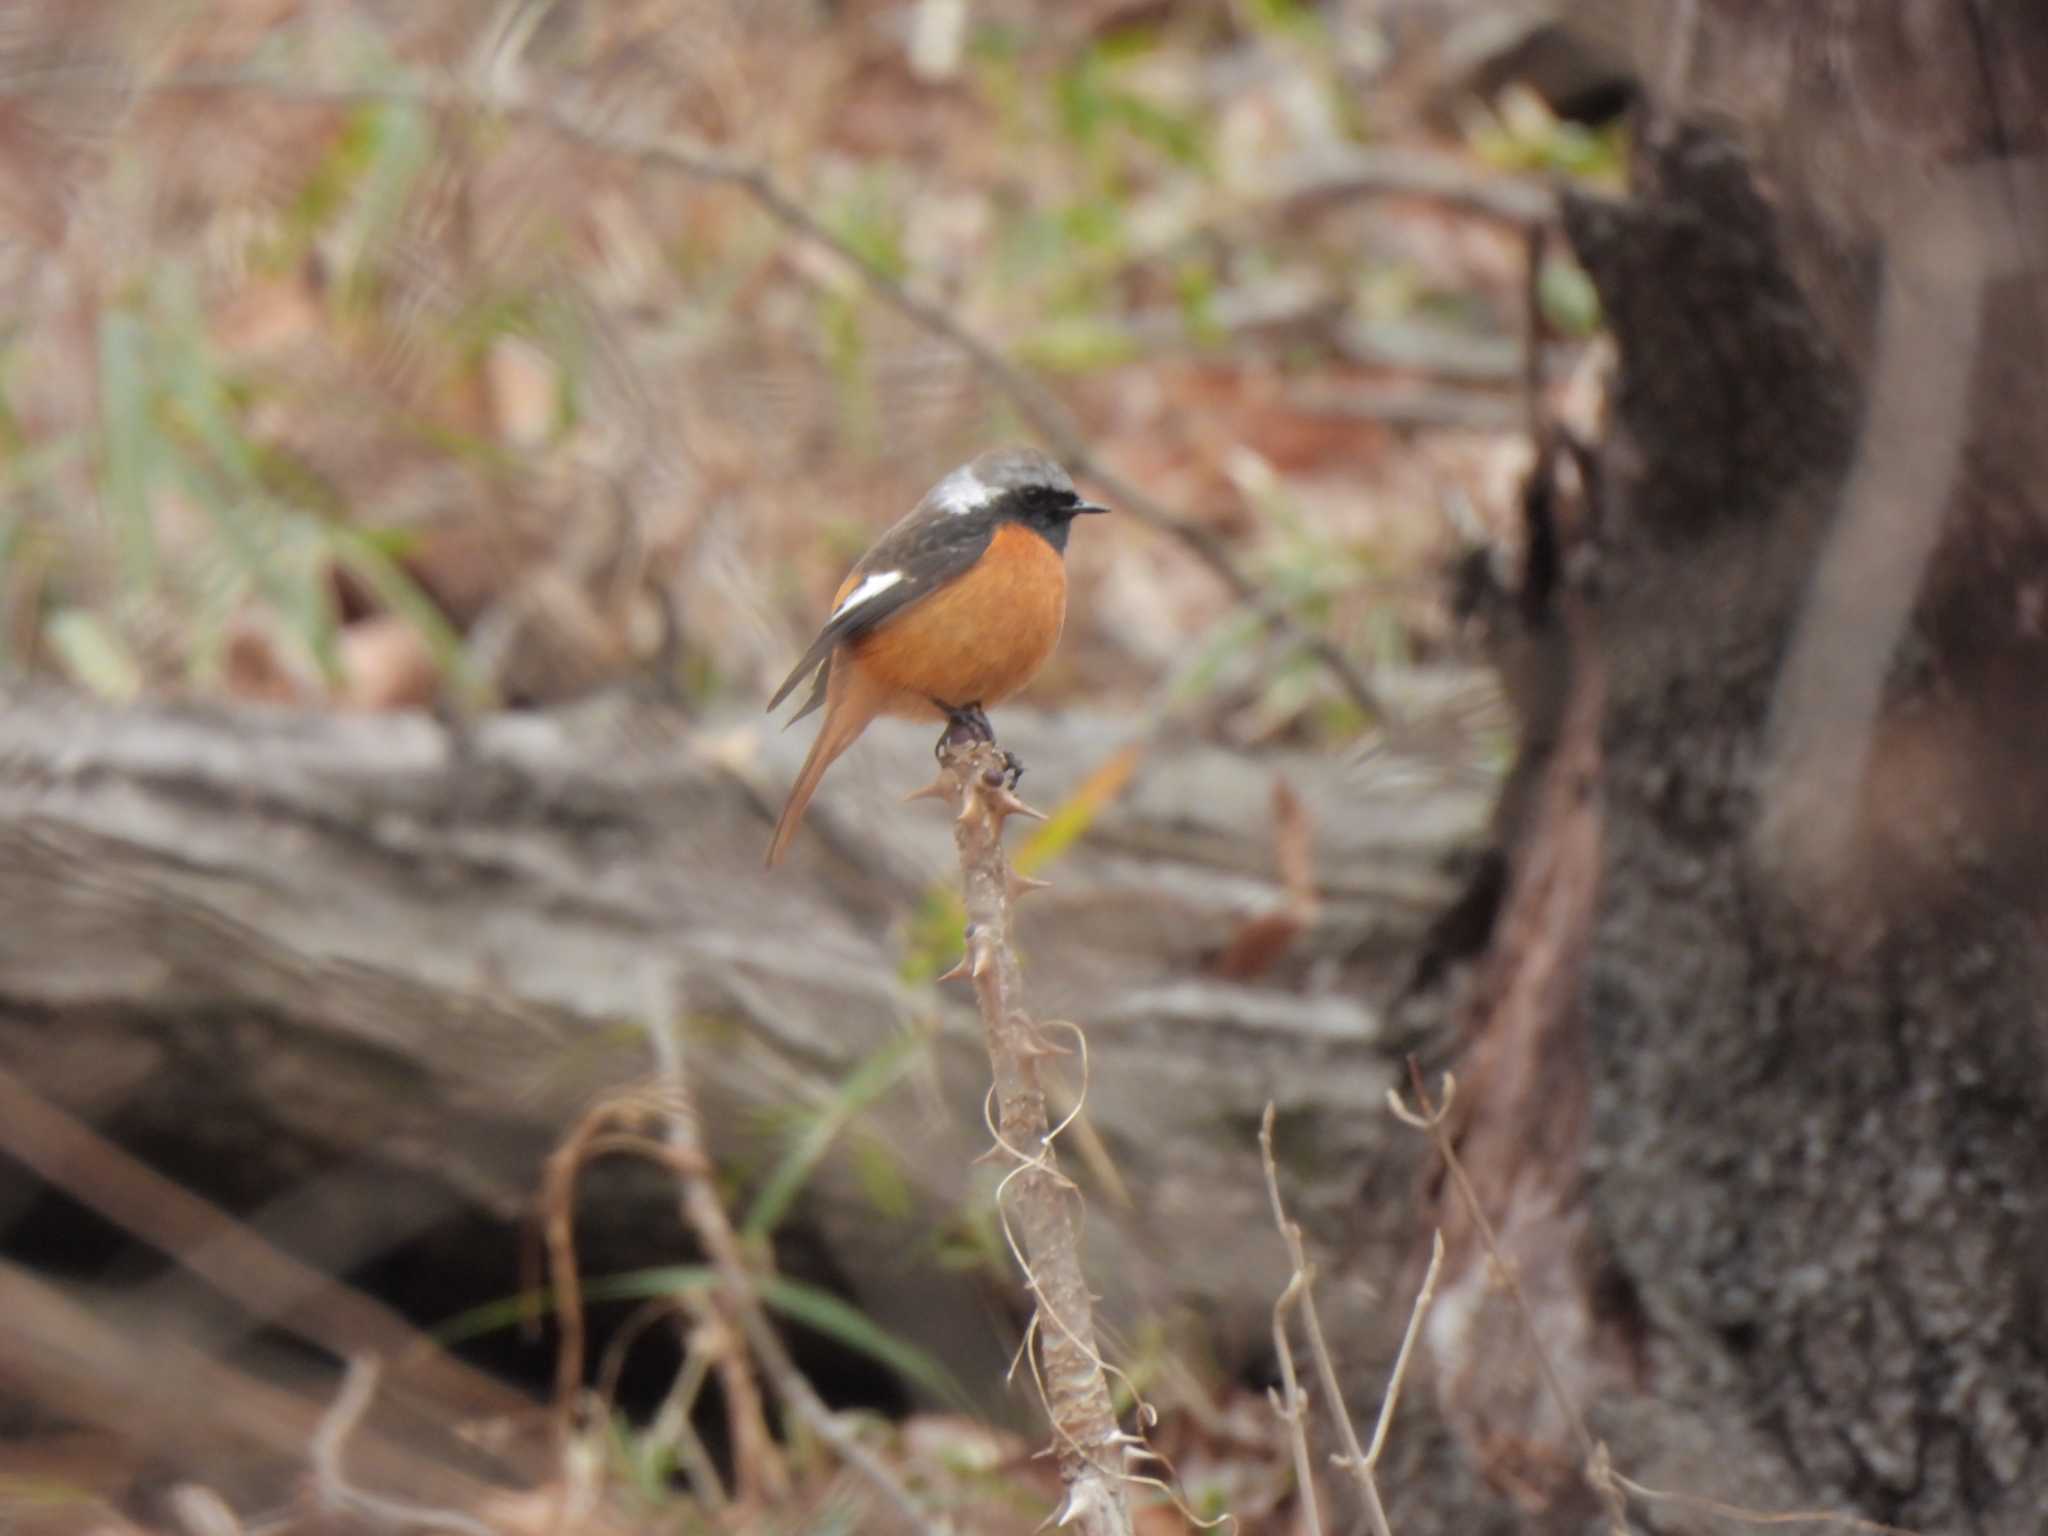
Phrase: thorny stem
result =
(1088, 1444)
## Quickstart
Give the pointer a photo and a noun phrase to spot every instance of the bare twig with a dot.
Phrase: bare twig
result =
(708, 1217)
(154, 1391)
(271, 1284)
(1416, 1314)
(1293, 1404)
(339, 1496)
(1093, 1452)
(1036, 404)
(1431, 1120)
(1362, 1464)
(591, 1137)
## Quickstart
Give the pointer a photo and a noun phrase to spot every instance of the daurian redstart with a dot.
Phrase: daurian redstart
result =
(954, 609)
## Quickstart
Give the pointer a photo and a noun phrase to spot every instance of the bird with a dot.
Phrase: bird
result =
(954, 609)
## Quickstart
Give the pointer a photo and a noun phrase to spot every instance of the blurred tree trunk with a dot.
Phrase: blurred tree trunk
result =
(1755, 1079)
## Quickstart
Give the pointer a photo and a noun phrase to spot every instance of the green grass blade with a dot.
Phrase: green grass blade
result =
(127, 442)
(817, 1310)
(825, 1313)
(874, 1077)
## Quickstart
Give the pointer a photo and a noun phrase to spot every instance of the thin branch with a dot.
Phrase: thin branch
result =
(1363, 1465)
(1036, 404)
(671, 1427)
(1431, 1120)
(1420, 1310)
(1293, 1407)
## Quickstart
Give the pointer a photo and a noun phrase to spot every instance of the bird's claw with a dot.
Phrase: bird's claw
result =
(965, 726)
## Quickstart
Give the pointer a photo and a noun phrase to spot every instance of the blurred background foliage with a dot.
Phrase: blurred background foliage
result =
(353, 356)
(318, 386)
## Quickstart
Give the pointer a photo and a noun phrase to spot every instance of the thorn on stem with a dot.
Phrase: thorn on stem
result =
(1004, 803)
(1036, 1044)
(936, 790)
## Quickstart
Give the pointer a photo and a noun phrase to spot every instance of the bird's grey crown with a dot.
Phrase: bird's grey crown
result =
(1009, 469)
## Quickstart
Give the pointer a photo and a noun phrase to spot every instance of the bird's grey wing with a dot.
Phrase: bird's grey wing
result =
(921, 554)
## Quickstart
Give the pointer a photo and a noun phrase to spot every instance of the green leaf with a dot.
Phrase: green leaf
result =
(94, 655)
(1568, 299)
(220, 470)
(400, 140)
(1077, 345)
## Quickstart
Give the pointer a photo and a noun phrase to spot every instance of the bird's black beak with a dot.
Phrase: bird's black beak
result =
(1085, 506)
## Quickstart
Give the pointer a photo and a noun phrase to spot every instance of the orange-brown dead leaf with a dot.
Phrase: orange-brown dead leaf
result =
(1261, 942)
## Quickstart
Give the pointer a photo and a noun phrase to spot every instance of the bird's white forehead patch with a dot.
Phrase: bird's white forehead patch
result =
(867, 591)
(963, 491)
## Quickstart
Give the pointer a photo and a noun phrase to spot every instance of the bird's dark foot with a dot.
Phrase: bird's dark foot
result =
(965, 725)
(1013, 769)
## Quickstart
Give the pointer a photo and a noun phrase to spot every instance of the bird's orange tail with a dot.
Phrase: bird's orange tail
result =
(848, 710)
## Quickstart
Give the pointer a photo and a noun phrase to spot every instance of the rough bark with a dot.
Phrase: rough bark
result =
(1806, 1220)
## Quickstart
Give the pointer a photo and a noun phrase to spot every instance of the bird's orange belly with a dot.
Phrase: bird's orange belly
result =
(978, 640)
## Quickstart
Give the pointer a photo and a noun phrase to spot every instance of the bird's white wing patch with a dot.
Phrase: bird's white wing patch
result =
(963, 491)
(870, 589)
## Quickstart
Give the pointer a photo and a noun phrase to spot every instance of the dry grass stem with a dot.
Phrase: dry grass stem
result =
(708, 1218)
(758, 1465)
(337, 1495)
(1299, 1296)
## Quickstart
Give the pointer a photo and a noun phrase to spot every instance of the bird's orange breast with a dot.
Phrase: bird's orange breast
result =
(978, 639)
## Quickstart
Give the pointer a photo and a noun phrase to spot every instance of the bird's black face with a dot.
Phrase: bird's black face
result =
(1046, 507)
